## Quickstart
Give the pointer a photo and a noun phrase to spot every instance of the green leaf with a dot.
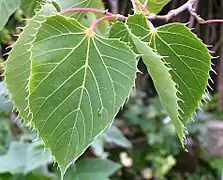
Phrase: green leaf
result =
(119, 30)
(162, 79)
(155, 6)
(41, 173)
(24, 157)
(88, 169)
(17, 66)
(78, 83)
(114, 135)
(57, 6)
(97, 147)
(188, 61)
(29, 6)
(86, 17)
(7, 8)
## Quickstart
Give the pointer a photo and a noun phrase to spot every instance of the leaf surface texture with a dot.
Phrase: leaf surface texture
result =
(78, 83)
(183, 55)
(17, 66)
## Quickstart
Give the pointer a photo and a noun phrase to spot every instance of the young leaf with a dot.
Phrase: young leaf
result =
(32, 158)
(29, 6)
(7, 8)
(163, 82)
(17, 67)
(187, 58)
(88, 169)
(78, 83)
(155, 6)
(190, 64)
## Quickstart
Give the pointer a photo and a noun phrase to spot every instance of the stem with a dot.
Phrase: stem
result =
(103, 12)
(187, 6)
(109, 18)
(151, 26)
(212, 21)
(98, 21)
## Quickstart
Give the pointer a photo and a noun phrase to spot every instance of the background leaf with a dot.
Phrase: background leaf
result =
(77, 85)
(114, 135)
(29, 6)
(24, 157)
(87, 169)
(7, 8)
(78, 3)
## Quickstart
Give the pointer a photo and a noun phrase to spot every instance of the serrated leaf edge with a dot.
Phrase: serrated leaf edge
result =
(63, 170)
(182, 133)
(15, 107)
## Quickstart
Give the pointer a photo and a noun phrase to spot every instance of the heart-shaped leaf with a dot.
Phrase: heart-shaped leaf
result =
(187, 58)
(78, 83)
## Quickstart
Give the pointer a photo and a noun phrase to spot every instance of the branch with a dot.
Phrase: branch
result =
(192, 19)
(187, 6)
(109, 18)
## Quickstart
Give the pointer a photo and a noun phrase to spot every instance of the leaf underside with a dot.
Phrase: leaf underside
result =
(187, 59)
(77, 85)
(7, 8)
